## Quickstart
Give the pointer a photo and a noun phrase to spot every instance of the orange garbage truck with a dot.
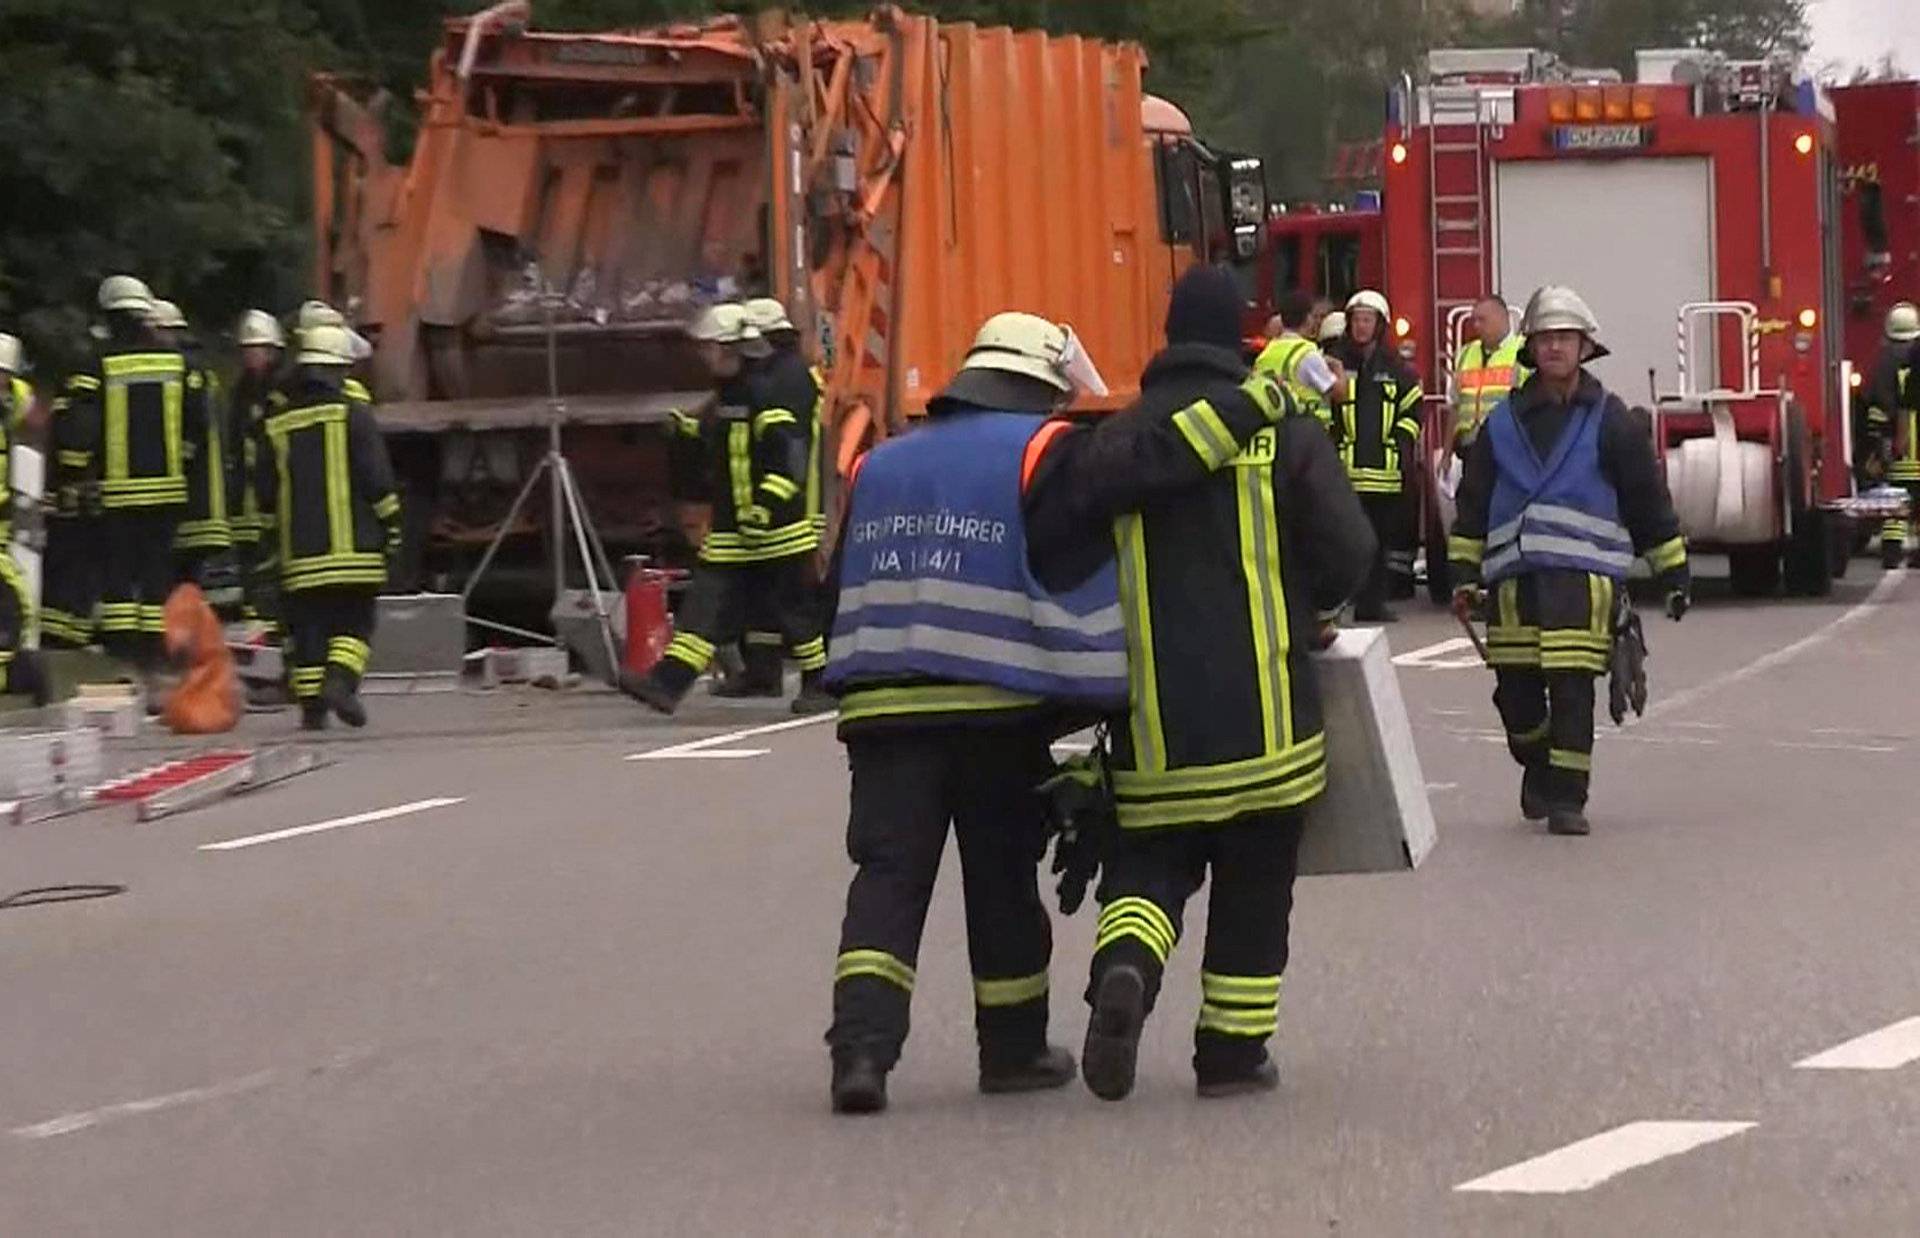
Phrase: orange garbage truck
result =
(572, 200)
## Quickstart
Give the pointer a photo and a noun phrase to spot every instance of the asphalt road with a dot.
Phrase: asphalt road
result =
(538, 988)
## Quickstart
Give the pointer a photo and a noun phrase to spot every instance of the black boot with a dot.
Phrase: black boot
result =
(1891, 554)
(814, 697)
(1533, 794)
(28, 676)
(1053, 1067)
(660, 689)
(339, 696)
(1262, 1077)
(1568, 821)
(859, 1085)
(313, 715)
(758, 674)
(1110, 1055)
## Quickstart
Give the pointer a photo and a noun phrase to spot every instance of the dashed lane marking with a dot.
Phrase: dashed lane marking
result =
(1584, 1165)
(713, 748)
(68, 1123)
(1890, 1048)
(1442, 656)
(337, 823)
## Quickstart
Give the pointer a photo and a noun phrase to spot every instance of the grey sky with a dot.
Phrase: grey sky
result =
(1861, 31)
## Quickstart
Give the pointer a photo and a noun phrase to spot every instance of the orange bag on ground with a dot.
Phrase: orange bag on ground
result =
(207, 702)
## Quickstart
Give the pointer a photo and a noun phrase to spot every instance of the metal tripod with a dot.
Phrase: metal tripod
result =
(567, 515)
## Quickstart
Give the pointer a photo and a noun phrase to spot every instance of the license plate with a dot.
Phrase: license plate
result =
(1601, 137)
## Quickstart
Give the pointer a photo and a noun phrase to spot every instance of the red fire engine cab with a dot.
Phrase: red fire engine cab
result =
(1880, 221)
(1694, 209)
(1330, 251)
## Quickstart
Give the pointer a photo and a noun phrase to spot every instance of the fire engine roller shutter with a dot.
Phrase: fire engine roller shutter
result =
(1632, 236)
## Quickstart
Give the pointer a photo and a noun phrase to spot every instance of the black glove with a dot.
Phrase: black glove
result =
(1679, 602)
(1081, 816)
(1627, 687)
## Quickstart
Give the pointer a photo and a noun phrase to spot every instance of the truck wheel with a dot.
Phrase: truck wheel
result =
(1755, 570)
(1809, 556)
(1840, 534)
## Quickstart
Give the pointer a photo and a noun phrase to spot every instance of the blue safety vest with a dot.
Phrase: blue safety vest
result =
(1556, 513)
(934, 581)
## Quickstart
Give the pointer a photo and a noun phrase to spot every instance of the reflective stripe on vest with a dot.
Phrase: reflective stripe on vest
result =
(1482, 381)
(934, 582)
(1558, 513)
(1282, 359)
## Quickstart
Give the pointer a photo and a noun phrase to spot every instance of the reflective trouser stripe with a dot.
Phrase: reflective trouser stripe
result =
(1532, 736)
(349, 653)
(1567, 758)
(119, 617)
(306, 681)
(1014, 992)
(877, 963)
(690, 650)
(1139, 919)
(153, 619)
(811, 655)
(765, 640)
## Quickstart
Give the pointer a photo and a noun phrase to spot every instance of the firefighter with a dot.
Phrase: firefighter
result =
(262, 346)
(1553, 541)
(128, 463)
(1378, 429)
(204, 536)
(1487, 368)
(16, 393)
(1315, 382)
(1903, 464)
(1886, 437)
(944, 722)
(788, 381)
(21, 670)
(754, 554)
(1222, 582)
(326, 493)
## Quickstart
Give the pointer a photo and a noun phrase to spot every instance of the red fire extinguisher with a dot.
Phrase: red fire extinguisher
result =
(649, 623)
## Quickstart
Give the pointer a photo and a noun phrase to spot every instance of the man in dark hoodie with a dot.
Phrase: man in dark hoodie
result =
(1222, 585)
(959, 652)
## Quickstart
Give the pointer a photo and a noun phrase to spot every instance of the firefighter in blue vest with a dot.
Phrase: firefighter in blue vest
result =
(1561, 492)
(958, 656)
(1225, 577)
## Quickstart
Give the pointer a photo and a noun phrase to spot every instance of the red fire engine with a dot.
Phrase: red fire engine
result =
(1880, 225)
(1328, 251)
(1693, 209)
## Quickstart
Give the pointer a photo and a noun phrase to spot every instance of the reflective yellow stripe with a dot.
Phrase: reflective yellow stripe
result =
(1668, 555)
(1209, 437)
(1149, 742)
(690, 650)
(769, 418)
(350, 652)
(1470, 550)
(1227, 776)
(1228, 1021)
(1210, 810)
(740, 465)
(1535, 735)
(1014, 992)
(873, 963)
(779, 487)
(1139, 919)
(1266, 605)
(1566, 758)
(867, 703)
(386, 508)
(1243, 990)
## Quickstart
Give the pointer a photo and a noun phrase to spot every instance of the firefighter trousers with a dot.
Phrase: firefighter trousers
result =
(70, 582)
(1144, 888)
(16, 618)
(1549, 638)
(766, 641)
(720, 603)
(909, 785)
(1392, 575)
(1894, 535)
(137, 576)
(329, 635)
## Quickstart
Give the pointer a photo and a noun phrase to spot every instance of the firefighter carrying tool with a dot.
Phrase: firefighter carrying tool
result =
(761, 540)
(1378, 429)
(1224, 568)
(1561, 492)
(326, 493)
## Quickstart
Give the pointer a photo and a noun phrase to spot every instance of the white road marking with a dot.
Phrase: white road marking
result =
(1585, 1165)
(1435, 657)
(713, 746)
(1779, 657)
(1813, 747)
(361, 818)
(1890, 1048)
(67, 1124)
